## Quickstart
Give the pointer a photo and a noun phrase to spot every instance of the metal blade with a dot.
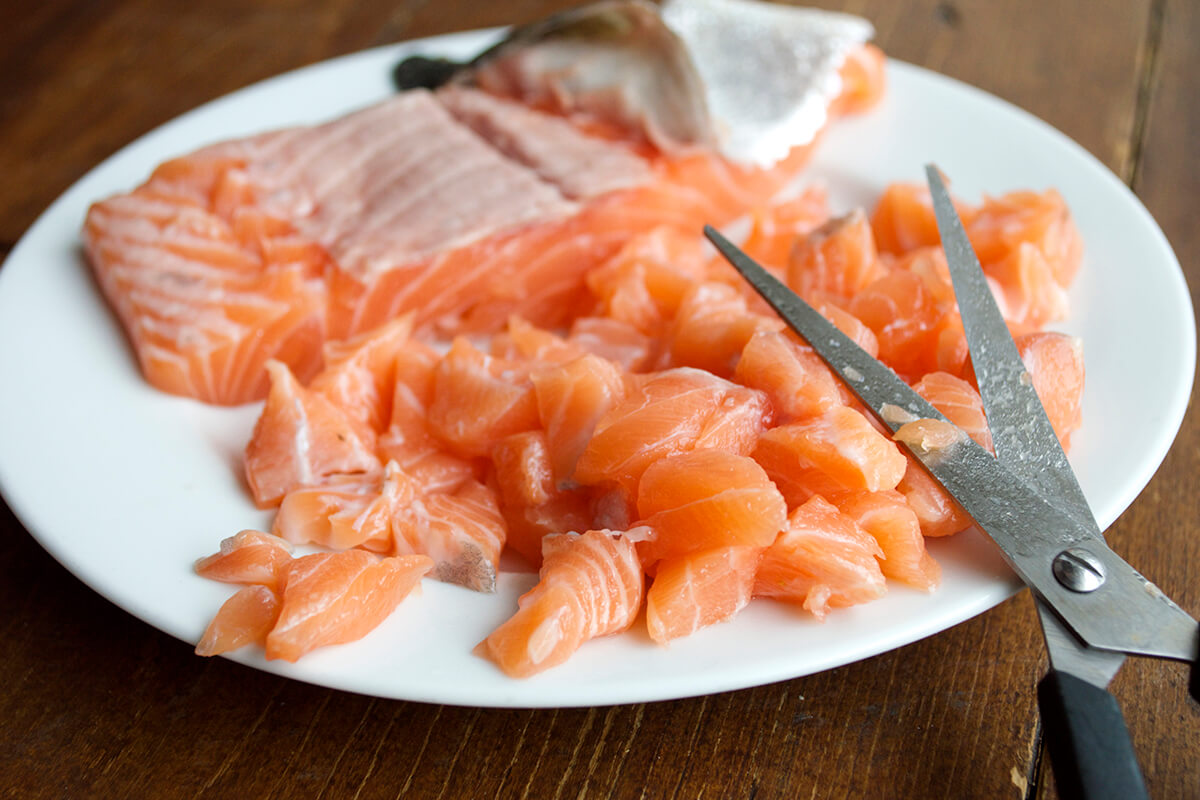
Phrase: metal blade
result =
(1068, 654)
(1021, 432)
(1123, 612)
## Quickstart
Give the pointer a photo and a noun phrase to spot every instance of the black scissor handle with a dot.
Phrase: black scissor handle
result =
(1194, 683)
(1090, 749)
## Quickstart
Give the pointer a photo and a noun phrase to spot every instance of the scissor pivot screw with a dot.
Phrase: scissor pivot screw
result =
(1079, 570)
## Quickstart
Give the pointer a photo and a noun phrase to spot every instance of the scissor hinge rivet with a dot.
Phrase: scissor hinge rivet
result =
(1079, 570)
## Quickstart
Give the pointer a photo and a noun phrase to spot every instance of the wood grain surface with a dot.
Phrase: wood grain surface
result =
(97, 704)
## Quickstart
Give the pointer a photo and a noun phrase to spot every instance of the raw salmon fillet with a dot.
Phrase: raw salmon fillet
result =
(455, 205)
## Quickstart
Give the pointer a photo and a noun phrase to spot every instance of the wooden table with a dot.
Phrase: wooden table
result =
(97, 704)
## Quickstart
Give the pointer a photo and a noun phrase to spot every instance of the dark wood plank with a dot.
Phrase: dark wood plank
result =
(99, 704)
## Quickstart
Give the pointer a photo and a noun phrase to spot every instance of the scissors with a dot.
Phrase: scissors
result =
(1095, 609)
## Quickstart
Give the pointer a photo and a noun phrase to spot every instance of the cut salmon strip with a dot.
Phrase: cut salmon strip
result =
(333, 598)
(524, 341)
(301, 438)
(1055, 364)
(248, 557)
(712, 326)
(1030, 292)
(699, 589)
(823, 560)
(837, 451)
(903, 219)
(706, 499)
(532, 502)
(899, 308)
(938, 512)
(349, 511)
(360, 373)
(614, 340)
(775, 228)
(245, 618)
(960, 404)
(590, 585)
(663, 414)
(1041, 220)
(478, 400)
(644, 283)
(838, 259)
(886, 516)
(462, 532)
(571, 399)
(794, 378)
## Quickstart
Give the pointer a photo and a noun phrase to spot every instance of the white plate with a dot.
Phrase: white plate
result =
(127, 486)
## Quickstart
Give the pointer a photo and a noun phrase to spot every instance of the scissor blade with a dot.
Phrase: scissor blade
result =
(1022, 434)
(1068, 654)
(1126, 613)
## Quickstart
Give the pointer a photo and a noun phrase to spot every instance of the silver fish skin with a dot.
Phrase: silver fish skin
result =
(747, 78)
(770, 71)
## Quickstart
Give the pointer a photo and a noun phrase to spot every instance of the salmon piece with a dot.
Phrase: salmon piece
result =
(522, 468)
(1040, 220)
(589, 585)
(887, 517)
(1030, 291)
(854, 328)
(904, 315)
(837, 451)
(248, 557)
(952, 354)
(571, 399)
(462, 532)
(524, 341)
(412, 392)
(903, 219)
(531, 500)
(645, 282)
(360, 373)
(408, 440)
(350, 511)
(959, 402)
(706, 499)
(838, 258)
(699, 589)
(614, 340)
(736, 426)
(937, 512)
(822, 560)
(333, 598)
(665, 413)
(1055, 364)
(301, 438)
(477, 400)
(712, 326)
(245, 618)
(794, 378)
(775, 228)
